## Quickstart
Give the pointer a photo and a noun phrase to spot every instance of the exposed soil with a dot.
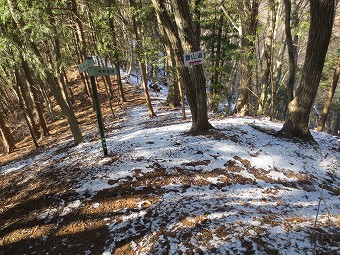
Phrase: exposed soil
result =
(84, 230)
(28, 226)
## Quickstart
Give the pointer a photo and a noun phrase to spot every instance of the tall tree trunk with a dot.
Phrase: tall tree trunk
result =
(181, 39)
(276, 9)
(56, 91)
(267, 78)
(73, 6)
(81, 43)
(6, 136)
(321, 23)
(139, 47)
(83, 75)
(24, 94)
(218, 51)
(215, 79)
(68, 88)
(46, 98)
(190, 43)
(35, 93)
(196, 23)
(173, 98)
(170, 69)
(329, 99)
(117, 61)
(336, 128)
(67, 111)
(22, 105)
(249, 13)
(92, 32)
(57, 54)
(292, 47)
(107, 92)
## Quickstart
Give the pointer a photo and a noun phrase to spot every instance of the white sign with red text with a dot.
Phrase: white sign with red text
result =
(193, 58)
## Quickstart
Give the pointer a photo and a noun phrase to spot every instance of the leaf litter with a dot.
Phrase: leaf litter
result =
(232, 190)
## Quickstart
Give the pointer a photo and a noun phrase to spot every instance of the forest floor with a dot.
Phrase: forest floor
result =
(161, 190)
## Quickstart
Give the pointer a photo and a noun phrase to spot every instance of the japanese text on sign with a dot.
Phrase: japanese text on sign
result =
(193, 58)
(88, 65)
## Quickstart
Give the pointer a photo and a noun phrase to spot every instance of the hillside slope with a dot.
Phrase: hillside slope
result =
(233, 190)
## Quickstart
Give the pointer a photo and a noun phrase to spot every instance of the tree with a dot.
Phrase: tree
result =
(248, 15)
(20, 94)
(325, 111)
(336, 127)
(139, 47)
(291, 45)
(117, 60)
(81, 44)
(267, 77)
(175, 95)
(216, 53)
(321, 23)
(6, 138)
(180, 32)
(24, 42)
(36, 97)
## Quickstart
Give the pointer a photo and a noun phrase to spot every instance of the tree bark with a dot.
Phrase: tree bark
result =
(22, 105)
(336, 128)
(249, 12)
(67, 111)
(170, 69)
(27, 107)
(47, 99)
(182, 40)
(268, 55)
(139, 46)
(190, 43)
(117, 60)
(81, 43)
(6, 136)
(329, 99)
(215, 79)
(174, 98)
(37, 101)
(321, 23)
(292, 49)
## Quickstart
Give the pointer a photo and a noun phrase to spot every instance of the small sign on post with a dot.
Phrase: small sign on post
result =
(85, 66)
(193, 58)
(88, 65)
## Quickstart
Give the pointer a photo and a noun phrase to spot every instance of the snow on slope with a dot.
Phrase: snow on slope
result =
(234, 190)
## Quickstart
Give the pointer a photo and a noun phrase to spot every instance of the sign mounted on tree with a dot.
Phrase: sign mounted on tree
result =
(88, 65)
(193, 58)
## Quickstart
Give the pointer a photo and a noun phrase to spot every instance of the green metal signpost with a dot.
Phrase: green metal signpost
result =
(93, 71)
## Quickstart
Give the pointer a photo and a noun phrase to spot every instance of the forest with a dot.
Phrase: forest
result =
(259, 57)
(236, 152)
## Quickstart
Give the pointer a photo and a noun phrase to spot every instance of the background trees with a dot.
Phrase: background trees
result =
(297, 118)
(255, 55)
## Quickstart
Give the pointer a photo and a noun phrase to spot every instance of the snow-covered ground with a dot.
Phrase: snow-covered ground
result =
(234, 190)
